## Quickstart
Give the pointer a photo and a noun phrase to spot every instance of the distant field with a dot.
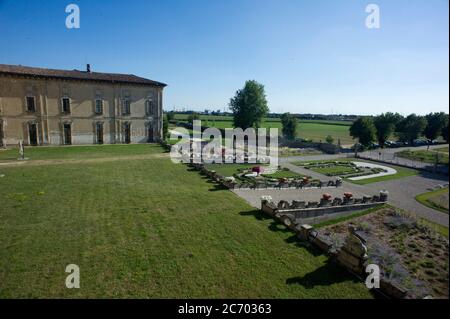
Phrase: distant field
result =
(316, 130)
(228, 118)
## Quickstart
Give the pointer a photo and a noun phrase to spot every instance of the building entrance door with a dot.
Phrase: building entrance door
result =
(99, 133)
(150, 137)
(1, 134)
(67, 134)
(32, 133)
(127, 133)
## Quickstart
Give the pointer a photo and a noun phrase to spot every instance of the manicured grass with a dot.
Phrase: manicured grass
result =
(437, 199)
(147, 229)
(424, 156)
(79, 152)
(436, 227)
(334, 170)
(283, 174)
(401, 171)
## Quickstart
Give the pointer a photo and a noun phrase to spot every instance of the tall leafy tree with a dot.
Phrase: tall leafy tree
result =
(435, 123)
(385, 125)
(193, 116)
(444, 133)
(170, 116)
(249, 105)
(289, 123)
(411, 128)
(364, 130)
(165, 126)
(329, 139)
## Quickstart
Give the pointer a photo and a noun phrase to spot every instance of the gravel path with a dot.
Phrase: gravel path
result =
(402, 192)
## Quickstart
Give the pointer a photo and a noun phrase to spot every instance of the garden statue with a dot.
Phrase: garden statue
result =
(21, 150)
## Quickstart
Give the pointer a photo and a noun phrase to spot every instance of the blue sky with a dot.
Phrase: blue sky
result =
(313, 56)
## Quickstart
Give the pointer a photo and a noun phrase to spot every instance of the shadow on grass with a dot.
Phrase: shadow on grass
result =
(217, 187)
(313, 250)
(327, 275)
(278, 227)
(258, 214)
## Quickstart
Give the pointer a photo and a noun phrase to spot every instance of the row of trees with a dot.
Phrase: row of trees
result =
(380, 128)
(249, 107)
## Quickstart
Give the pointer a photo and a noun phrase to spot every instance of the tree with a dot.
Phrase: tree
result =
(410, 128)
(385, 125)
(364, 130)
(329, 139)
(289, 123)
(192, 117)
(165, 126)
(445, 133)
(249, 105)
(170, 116)
(435, 123)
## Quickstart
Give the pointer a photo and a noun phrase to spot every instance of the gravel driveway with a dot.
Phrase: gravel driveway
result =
(402, 192)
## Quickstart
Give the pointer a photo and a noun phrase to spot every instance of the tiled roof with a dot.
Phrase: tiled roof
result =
(20, 70)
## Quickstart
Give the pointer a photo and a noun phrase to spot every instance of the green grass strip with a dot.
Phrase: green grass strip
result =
(425, 199)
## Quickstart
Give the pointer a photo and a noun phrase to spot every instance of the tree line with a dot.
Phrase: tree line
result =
(407, 129)
(249, 106)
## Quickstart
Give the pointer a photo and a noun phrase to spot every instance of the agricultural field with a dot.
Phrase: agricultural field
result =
(437, 199)
(139, 226)
(307, 129)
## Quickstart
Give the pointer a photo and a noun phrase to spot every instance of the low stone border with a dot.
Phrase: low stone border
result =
(353, 255)
(232, 184)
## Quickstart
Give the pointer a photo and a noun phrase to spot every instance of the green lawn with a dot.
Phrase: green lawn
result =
(425, 156)
(334, 170)
(79, 152)
(283, 174)
(401, 171)
(437, 199)
(146, 228)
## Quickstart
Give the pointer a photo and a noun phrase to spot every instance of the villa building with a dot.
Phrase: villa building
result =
(59, 107)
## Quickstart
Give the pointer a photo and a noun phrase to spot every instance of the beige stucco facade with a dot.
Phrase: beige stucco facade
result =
(49, 124)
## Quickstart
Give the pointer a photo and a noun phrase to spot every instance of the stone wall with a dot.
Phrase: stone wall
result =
(301, 210)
